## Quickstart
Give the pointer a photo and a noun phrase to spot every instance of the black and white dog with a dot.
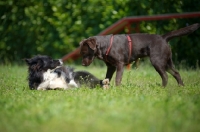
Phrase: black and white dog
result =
(46, 73)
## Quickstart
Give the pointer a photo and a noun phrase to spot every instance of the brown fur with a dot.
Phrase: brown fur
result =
(154, 46)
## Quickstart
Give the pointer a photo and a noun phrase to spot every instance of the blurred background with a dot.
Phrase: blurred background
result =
(55, 27)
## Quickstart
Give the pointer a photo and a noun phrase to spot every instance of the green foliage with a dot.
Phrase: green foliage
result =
(55, 27)
(140, 104)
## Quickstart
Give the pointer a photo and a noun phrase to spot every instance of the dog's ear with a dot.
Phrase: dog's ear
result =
(28, 61)
(92, 43)
(82, 42)
(34, 62)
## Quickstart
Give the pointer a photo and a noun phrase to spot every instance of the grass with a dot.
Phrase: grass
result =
(140, 104)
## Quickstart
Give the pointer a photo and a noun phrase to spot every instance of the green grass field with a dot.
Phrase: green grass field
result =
(139, 105)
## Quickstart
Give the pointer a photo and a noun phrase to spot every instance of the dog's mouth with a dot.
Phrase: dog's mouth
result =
(83, 64)
(86, 62)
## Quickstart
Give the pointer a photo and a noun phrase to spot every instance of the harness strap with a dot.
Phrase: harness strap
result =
(130, 47)
(108, 50)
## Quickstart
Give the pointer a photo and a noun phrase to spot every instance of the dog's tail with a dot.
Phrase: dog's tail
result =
(181, 32)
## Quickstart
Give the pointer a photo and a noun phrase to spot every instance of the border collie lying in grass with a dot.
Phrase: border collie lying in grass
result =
(46, 73)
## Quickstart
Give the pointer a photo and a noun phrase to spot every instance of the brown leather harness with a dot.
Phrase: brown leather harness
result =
(129, 45)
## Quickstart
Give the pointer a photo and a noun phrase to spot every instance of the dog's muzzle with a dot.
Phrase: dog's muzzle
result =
(86, 62)
(83, 64)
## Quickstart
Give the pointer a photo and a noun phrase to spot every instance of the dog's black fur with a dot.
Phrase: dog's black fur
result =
(37, 66)
(152, 45)
(40, 65)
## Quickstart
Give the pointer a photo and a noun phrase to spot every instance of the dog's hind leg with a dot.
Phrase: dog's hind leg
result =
(173, 72)
(159, 65)
(163, 75)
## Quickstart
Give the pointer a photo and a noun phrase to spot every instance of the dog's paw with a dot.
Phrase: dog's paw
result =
(106, 83)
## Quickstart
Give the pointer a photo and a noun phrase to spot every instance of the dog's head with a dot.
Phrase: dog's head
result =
(42, 63)
(87, 51)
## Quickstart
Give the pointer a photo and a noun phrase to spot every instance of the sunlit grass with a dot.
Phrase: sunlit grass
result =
(140, 104)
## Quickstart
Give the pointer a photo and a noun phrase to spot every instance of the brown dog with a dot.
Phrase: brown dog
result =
(119, 50)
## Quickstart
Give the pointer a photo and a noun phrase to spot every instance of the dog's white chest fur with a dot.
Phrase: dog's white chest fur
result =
(52, 81)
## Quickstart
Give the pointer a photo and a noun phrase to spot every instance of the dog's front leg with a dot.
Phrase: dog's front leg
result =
(120, 70)
(43, 86)
(110, 71)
